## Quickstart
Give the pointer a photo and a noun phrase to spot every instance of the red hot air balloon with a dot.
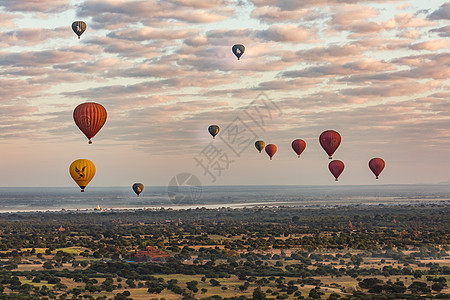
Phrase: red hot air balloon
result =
(90, 118)
(376, 165)
(298, 145)
(330, 140)
(336, 167)
(271, 149)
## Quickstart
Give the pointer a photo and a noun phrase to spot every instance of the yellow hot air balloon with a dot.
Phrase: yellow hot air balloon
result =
(82, 171)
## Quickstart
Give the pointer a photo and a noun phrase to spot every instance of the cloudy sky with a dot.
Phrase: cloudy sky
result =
(376, 71)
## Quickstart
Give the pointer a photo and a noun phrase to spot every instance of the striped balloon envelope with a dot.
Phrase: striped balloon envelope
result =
(90, 118)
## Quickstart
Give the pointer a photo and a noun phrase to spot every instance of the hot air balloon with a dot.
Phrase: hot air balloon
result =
(82, 171)
(376, 165)
(298, 145)
(78, 27)
(90, 118)
(271, 149)
(238, 50)
(260, 145)
(336, 167)
(330, 140)
(138, 188)
(213, 130)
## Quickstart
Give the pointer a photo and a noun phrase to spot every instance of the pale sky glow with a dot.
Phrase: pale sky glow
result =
(375, 71)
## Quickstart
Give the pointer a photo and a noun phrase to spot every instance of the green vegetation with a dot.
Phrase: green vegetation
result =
(380, 252)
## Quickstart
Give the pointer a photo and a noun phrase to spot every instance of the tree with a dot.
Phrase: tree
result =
(155, 288)
(192, 285)
(258, 294)
(419, 287)
(369, 283)
(315, 293)
(47, 265)
(214, 282)
(437, 286)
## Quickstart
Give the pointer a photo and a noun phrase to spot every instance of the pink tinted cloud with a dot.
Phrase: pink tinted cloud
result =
(289, 33)
(6, 20)
(17, 123)
(356, 19)
(145, 34)
(433, 45)
(147, 70)
(130, 49)
(410, 34)
(31, 36)
(13, 89)
(47, 6)
(364, 66)
(396, 89)
(333, 53)
(40, 58)
(101, 66)
(285, 85)
(271, 14)
(287, 5)
(197, 41)
(143, 11)
(349, 14)
(406, 20)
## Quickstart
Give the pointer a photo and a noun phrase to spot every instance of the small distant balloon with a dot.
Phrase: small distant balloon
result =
(238, 50)
(336, 167)
(271, 149)
(376, 165)
(138, 188)
(299, 146)
(90, 118)
(260, 145)
(213, 130)
(82, 172)
(78, 27)
(330, 141)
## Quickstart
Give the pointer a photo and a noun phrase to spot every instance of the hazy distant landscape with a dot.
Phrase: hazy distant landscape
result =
(344, 252)
(29, 199)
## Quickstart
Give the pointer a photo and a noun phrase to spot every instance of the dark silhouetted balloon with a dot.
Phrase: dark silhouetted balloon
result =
(78, 27)
(213, 130)
(330, 140)
(238, 50)
(336, 167)
(260, 145)
(299, 146)
(82, 172)
(90, 118)
(138, 188)
(271, 149)
(376, 165)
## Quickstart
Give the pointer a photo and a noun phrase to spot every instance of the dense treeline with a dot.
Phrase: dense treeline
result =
(274, 253)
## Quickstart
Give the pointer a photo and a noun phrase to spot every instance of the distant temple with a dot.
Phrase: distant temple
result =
(350, 225)
(150, 253)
